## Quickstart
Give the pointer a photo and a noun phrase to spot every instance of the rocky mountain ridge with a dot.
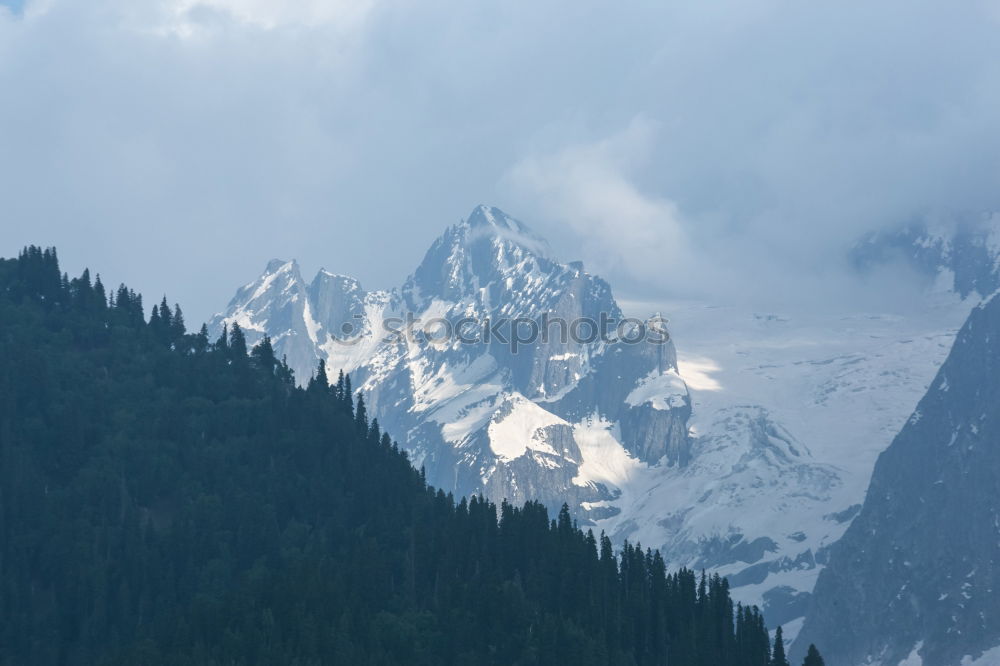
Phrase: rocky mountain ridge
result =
(439, 366)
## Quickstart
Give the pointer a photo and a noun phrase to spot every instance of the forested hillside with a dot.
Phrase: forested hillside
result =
(170, 499)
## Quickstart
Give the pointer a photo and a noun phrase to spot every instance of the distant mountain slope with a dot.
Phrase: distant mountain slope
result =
(960, 253)
(914, 579)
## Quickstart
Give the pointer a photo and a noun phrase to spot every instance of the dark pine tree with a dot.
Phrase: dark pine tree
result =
(100, 295)
(237, 343)
(361, 414)
(165, 314)
(338, 389)
(155, 323)
(374, 433)
(177, 327)
(161, 322)
(347, 396)
(812, 657)
(778, 657)
(263, 355)
(200, 343)
(222, 343)
(319, 383)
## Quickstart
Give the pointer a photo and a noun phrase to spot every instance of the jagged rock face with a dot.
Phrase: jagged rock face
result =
(653, 434)
(480, 409)
(963, 252)
(916, 574)
(338, 303)
(276, 301)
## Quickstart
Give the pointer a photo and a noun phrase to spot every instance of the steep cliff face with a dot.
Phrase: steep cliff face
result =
(915, 577)
(485, 362)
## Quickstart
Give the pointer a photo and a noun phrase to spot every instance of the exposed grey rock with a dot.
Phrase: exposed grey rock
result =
(845, 515)
(757, 573)
(919, 566)
(735, 548)
(653, 434)
(783, 604)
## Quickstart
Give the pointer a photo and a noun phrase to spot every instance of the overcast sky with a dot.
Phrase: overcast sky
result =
(678, 148)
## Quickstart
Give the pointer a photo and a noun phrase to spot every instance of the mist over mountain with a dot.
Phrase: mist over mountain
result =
(674, 155)
(959, 253)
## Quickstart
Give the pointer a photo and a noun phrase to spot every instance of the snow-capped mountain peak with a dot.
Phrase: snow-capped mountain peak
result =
(489, 411)
(483, 250)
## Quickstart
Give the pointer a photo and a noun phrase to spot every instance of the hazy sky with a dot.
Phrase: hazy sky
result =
(678, 148)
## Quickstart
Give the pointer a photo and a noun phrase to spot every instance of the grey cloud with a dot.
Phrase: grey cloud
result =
(180, 145)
